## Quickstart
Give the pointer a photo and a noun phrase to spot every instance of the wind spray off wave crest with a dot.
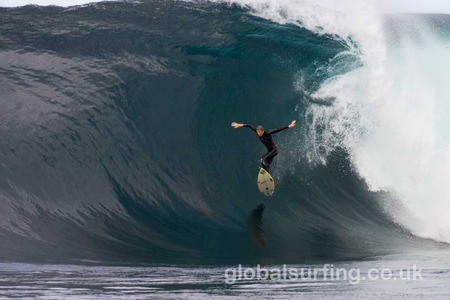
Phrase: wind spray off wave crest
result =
(391, 116)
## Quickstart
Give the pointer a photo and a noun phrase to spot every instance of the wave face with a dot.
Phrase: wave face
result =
(116, 140)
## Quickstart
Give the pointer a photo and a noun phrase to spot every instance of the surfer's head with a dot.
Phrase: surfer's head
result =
(259, 130)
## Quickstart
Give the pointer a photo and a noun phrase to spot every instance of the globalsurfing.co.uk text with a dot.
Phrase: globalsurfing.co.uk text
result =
(326, 272)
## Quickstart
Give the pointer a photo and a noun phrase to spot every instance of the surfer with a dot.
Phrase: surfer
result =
(266, 138)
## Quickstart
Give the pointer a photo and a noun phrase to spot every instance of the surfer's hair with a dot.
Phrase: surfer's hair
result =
(260, 128)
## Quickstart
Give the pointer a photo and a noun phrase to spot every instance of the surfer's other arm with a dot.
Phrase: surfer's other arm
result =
(237, 125)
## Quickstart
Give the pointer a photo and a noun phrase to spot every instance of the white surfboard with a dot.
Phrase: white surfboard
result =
(265, 182)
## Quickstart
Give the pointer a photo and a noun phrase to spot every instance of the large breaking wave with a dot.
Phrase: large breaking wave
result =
(116, 139)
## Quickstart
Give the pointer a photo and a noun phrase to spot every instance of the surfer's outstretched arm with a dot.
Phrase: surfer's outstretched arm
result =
(237, 125)
(282, 128)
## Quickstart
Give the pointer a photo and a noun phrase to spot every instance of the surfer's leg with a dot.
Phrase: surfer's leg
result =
(268, 158)
(264, 165)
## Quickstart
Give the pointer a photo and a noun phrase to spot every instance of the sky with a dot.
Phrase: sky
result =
(385, 6)
(422, 6)
(392, 6)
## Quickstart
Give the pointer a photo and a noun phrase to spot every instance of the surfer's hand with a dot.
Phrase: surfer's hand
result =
(292, 124)
(236, 125)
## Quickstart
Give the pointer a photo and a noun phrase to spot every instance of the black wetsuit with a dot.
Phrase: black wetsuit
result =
(267, 140)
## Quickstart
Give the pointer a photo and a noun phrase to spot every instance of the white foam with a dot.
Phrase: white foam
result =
(392, 116)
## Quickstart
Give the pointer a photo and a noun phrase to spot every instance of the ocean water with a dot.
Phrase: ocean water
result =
(32, 281)
(120, 174)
